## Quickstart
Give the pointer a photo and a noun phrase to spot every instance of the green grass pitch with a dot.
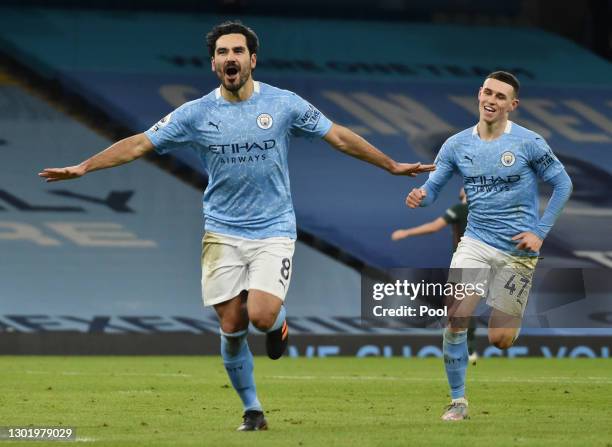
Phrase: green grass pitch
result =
(175, 401)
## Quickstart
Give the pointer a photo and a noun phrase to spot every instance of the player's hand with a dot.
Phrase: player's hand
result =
(399, 234)
(57, 174)
(528, 241)
(415, 197)
(411, 169)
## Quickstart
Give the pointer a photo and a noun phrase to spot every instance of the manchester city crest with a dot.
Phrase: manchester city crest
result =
(508, 159)
(264, 121)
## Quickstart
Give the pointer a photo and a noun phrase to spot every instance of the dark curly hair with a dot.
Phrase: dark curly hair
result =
(232, 27)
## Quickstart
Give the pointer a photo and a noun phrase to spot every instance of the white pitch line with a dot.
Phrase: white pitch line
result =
(555, 380)
(543, 379)
(155, 374)
(79, 373)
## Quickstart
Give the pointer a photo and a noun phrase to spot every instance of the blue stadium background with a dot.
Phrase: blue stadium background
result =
(117, 253)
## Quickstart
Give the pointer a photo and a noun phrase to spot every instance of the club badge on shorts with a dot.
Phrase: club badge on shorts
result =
(264, 121)
(508, 159)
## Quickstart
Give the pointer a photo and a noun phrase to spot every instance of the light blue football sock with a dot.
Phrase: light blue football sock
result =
(238, 362)
(455, 361)
(278, 323)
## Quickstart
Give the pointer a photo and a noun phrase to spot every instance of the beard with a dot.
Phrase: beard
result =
(235, 82)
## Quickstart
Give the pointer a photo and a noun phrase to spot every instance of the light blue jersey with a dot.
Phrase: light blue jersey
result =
(244, 148)
(500, 178)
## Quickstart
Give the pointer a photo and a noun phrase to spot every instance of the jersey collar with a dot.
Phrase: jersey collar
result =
(475, 129)
(256, 89)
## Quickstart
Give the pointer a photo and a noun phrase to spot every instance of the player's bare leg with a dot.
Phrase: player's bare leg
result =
(456, 355)
(267, 313)
(503, 329)
(238, 359)
(232, 314)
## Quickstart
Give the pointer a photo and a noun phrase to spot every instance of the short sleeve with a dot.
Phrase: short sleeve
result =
(307, 120)
(543, 160)
(173, 131)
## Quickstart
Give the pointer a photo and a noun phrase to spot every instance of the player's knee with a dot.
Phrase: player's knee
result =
(501, 341)
(262, 319)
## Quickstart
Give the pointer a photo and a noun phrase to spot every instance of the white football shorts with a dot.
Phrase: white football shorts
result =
(506, 279)
(232, 264)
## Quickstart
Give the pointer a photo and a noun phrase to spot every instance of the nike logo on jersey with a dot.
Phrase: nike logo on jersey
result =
(216, 126)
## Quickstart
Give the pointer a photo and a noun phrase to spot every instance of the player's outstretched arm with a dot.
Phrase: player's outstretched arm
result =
(121, 152)
(347, 141)
(427, 228)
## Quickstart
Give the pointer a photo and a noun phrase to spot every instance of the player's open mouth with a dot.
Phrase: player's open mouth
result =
(489, 109)
(231, 73)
